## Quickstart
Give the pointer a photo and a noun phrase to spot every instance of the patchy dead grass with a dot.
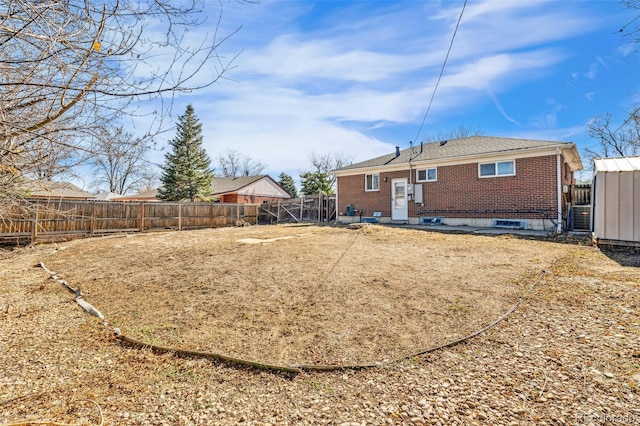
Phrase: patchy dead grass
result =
(310, 294)
(302, 294)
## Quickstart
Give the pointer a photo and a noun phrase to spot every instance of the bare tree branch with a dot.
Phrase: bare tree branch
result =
(621, 141)
(233, 163)
(69, 67)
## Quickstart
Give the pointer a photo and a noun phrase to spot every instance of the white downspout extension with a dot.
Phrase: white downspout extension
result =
(559, 173)
(337, 210)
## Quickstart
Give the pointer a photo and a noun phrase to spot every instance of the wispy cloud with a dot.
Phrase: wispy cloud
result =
(330, 76)
(499, 107)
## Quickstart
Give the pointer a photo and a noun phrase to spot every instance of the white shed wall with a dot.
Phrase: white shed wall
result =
(617, 205)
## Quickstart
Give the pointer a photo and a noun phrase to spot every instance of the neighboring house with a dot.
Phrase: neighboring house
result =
(102, 195)
(146, 195)
(616, 200)
(476, 181)
(247, 190)
(57, 191)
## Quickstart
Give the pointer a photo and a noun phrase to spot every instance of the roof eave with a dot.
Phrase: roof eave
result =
(575, 163)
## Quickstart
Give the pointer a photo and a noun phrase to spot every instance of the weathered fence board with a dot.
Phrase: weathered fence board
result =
(316, 208)
(44, 220)
(581, 194)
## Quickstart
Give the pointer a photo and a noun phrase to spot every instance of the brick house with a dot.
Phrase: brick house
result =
(475, 181)
(247, 190)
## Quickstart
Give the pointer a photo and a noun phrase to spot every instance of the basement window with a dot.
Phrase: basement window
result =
(427, 175)
(499, 168)
(372, 182)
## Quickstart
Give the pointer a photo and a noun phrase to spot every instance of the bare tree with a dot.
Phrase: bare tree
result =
(233, 163)
(119, 163)
(52, 155)
(631, 29)
(319, 178)
(150, 178)
(72, 66)
(615, 140)
(462, 131)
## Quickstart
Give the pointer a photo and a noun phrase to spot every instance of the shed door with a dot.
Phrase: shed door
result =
(399, 204)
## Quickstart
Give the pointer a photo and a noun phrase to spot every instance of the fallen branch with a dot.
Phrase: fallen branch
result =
(294, 368)
(219, 357)
(48, 422)
(78, 293)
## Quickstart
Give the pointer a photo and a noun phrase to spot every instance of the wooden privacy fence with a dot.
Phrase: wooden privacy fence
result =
(316, 208)
(581, 194)
(48, 220)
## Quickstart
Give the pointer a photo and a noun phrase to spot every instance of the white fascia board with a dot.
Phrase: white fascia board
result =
(572, 157)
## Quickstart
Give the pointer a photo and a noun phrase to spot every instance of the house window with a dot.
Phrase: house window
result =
(427, 175)
(372, 182)
(499, 168)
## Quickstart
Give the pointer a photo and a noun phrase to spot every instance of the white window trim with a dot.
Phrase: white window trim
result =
(496, 166)
(365, 182)
(427, 174)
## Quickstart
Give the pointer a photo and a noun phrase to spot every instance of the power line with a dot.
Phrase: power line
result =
(433, 95)
(632, 116)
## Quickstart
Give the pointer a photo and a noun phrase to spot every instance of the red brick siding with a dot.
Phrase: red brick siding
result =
(459, 188)
(228, 198)
(247, 199)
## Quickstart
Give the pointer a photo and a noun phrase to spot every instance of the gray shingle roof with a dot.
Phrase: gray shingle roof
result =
(224, 185)
(456, 148)
(56, 189)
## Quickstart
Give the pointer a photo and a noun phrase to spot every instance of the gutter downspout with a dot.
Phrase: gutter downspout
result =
(559, 180)
(411, 165)
(337, 209)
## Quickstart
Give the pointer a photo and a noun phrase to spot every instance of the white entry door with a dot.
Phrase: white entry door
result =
(399, 204)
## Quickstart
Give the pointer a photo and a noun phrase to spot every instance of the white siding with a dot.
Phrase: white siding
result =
(616, 202)
(263, 188)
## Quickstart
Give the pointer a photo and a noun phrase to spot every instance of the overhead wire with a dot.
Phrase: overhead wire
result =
(444, 64)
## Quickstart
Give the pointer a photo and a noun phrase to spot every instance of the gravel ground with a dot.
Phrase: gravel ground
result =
(570, 354)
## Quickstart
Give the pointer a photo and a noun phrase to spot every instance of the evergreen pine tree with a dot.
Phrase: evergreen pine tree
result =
(186, 172)
(314, 183)
(288, 184)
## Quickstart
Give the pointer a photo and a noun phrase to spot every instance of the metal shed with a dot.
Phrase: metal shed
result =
(616, 201)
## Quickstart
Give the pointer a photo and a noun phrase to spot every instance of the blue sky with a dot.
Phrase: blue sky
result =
(356, 77)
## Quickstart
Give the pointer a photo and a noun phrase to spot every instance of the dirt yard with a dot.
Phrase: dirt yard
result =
(289, 295)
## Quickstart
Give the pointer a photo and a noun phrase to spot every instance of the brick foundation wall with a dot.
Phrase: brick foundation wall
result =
(459, 188)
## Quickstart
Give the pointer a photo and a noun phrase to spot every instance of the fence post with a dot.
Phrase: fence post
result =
(141, 217)
(319, 207)
(179, 216)
(34, 225)
(278, 218)
(301, 206)
(93, 218)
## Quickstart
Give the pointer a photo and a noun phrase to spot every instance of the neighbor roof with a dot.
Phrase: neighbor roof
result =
(149, 194)
(106, 195)
(57, 190)
(460, 148)
(621, 164)
(224, 185)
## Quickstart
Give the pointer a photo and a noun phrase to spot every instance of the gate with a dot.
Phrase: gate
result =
(315, 208)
